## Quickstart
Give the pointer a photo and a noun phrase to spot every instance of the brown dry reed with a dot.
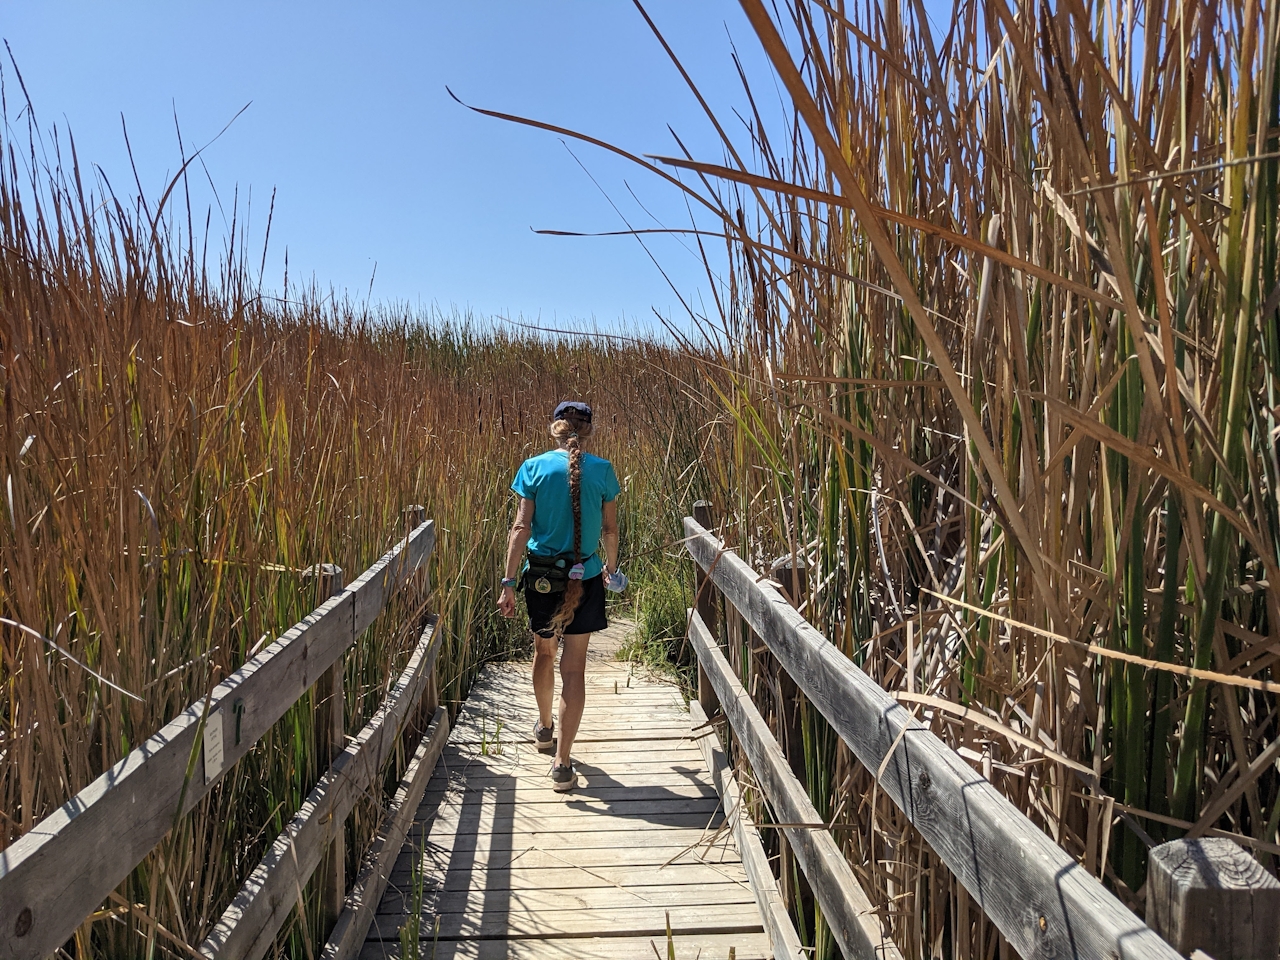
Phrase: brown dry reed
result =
(175, 448)
(1003, 321)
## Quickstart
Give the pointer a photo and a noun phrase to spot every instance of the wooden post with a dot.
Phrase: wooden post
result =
(330, 739)
(1209, 894)
(791, 576)
(708, 609)
(415, 516)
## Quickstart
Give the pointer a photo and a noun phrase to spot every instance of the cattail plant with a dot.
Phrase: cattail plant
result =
(1002, 327)
(177, 448)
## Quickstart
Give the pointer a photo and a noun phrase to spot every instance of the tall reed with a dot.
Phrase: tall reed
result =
(176, 448)
(1004, 325)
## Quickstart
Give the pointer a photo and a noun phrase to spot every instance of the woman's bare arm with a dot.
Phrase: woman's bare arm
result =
(517, 540)
(609, 535)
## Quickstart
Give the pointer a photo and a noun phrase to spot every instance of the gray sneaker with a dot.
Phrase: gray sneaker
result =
(563, 778)
(544, 738)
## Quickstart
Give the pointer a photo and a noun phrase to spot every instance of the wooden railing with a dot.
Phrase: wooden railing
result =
(1041, 900)
(63, 869)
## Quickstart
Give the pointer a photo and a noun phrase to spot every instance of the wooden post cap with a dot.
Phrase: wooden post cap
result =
(791, 573)
(1209, 894)
(703, 513)
(328, 578)
(416, 514)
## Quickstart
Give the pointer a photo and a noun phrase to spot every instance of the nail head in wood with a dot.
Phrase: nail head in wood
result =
(1209, 894)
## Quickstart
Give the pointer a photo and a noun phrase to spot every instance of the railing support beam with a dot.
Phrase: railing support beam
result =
(330, 739)
(705, 604)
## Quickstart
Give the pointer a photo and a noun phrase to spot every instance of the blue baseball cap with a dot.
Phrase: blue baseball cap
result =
(575, 408)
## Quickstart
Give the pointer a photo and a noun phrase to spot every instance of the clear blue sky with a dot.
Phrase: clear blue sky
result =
(371, 159)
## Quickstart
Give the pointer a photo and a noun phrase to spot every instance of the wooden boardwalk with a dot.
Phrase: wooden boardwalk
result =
(511, 869)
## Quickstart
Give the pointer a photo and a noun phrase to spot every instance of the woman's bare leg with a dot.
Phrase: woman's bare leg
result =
(544, 676)
(573, 692)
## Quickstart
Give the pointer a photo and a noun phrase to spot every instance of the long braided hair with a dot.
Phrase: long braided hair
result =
(571, 431)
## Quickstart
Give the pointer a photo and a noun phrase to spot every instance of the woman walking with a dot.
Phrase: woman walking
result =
(566, 513)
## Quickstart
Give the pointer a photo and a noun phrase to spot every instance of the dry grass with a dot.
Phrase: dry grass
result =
(1004, 315)
(175, 449)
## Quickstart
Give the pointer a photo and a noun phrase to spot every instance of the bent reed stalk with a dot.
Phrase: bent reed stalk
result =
(176, 448)
(1003, 321)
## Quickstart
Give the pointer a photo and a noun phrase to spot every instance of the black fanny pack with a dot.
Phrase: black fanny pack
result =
(547, 574)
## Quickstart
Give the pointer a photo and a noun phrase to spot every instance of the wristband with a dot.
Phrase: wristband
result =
(509, 581)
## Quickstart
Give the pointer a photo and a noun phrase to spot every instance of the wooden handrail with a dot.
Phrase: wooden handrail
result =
(347, 938)
(55, 875)
(250, 923)
(1042, 901)
(853, 919)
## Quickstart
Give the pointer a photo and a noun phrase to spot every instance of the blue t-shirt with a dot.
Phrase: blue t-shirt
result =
(544, 479)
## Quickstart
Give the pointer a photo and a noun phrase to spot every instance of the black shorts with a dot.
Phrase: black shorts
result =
(589, 618)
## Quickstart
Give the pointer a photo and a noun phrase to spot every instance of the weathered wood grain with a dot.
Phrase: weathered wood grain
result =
(58, 873)
(667, 851)
(557, 875)
(1209, 894)
(697, 839)
(330, 738)
(1043, 902)
(590, 894)
(783, 938)
(534, 792)
(249, 924)
(629, 921)
(746, 946)
(848, 910)
(347, 937)
(706, 603)
(506, 860)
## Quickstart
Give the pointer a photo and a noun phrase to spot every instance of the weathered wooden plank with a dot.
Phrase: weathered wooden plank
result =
(605, 775)
(536, 792)
(777, 923)
(620, 747)
(479, 859)
(373, 587)
(845, 905)
(602, 694)
(480, 853)
(520, 729)
(746, 946)
(562, 872)
(509, 818)
(545, 802)
(1042, 901)
(672, 757)
(585, 737)
(508, 861)
(249, 924)
(695, 838)
(618, 921)
(329, 725)
(593, 895)
(674, 725)
(352, 926)
(49, 880)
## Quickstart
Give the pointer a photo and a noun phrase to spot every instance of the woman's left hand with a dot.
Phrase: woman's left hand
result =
(507, 602)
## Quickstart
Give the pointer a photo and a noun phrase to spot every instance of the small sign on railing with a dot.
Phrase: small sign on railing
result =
(213, 746)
